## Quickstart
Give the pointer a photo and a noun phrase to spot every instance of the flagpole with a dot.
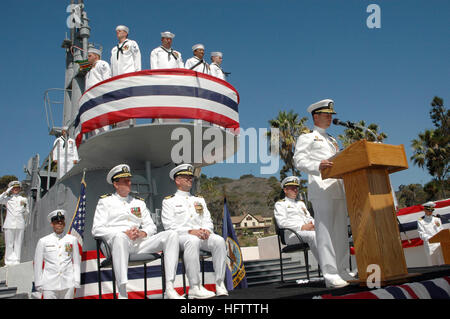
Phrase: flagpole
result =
(79, 198)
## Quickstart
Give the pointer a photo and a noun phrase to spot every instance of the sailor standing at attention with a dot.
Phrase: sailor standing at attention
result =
(65, 153)
(164, 56)
(216, 69)
(428, 226)
(125, 56)
(100, 69)
(125, 223)
(16, 214)
(57, 261)
(312, 152)
(190, 218)
(196, 63)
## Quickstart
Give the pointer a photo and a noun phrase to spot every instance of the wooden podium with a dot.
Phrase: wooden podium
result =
(365, 168)
(443, 237)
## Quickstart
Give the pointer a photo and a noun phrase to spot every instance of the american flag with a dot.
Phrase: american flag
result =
(77, 226)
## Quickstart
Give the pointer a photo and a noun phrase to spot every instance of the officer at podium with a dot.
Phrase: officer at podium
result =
(327, 196)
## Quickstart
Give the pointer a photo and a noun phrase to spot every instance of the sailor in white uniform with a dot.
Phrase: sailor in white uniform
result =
(189, 216)
(293, 214)
(99, 71)
(57, 261)
(62, 144)
(215, 66)
(125, 56)
(327, 196)
(164, 56)
(17, 213)
(197, 63)
(428, 226)
(125, 223)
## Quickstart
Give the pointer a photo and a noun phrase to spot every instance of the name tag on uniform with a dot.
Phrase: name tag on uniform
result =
(136, 211)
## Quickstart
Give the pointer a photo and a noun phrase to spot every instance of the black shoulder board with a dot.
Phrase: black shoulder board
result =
(170, 196)
(106, 195)
(137, 197)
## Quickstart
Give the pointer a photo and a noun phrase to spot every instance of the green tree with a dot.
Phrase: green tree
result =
(410, 195)
(352, 135)
(432, 147)
(290, 126)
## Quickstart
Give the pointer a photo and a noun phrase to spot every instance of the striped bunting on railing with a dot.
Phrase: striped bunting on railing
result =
(174, 93)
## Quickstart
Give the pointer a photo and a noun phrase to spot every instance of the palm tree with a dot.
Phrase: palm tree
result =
(432, 147)
(290, 126)
(352, 135)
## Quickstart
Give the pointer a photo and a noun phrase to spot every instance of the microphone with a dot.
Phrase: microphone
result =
(346, 124)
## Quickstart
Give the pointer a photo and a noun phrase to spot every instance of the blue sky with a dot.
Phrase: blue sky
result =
(282, 54)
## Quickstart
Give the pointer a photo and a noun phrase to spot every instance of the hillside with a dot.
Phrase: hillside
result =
(248, 194)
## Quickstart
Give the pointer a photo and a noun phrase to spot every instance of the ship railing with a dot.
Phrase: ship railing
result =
(166, 95)
(47, 164)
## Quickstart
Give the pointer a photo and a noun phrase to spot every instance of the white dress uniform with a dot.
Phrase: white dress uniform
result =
(125, 58)
(328, 200)
(428, 226)
(99, 72)
(162, 58)
(57, 263)
(114, 215)
(195, 64)
(59, 154)
(293, 214)
(16, 214)
(182, 212)
(217, 71)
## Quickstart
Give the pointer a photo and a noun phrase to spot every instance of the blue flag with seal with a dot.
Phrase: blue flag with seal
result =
(235, 272)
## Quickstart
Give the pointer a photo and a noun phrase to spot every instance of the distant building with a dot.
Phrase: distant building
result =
(250, 222)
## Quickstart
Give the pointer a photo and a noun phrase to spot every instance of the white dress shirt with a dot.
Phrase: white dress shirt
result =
(99, 72)
(16, 210)
(310, 150)
(57, 262)
(115, 214)
(162, 58)
(202, 67)
(125, 58)
(183, 212)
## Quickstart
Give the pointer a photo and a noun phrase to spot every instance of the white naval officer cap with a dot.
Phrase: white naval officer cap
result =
(57, 214)
(14, 184)
(429, 205)
(216, 53)
(290, 180)
(167, 34)
(323, 106)
(198, 46)
(121, 170)
(94, 50)
(123, 27)
(182, 169)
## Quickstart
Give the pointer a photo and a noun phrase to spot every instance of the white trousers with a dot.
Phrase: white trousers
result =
(13, 245)
(58, 294)
(191, 245)
(308, 236)
(330, 222)
(434, 254)
(122, 247)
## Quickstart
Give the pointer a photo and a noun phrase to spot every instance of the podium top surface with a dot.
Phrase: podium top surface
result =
(363, 154)
(442, 236)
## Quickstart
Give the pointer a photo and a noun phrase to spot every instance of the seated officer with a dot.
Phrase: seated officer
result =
(292, 213)
(125, 223)
(57, 261)
(189, 216)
